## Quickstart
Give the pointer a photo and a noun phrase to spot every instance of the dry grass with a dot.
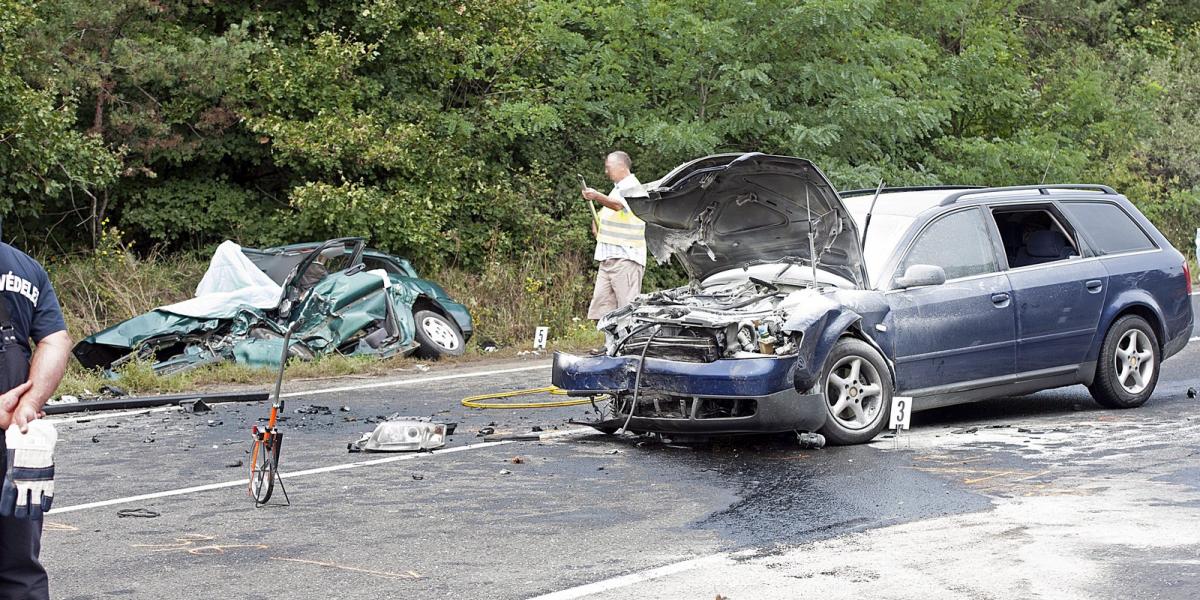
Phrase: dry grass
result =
(509, 300)
(100, 291)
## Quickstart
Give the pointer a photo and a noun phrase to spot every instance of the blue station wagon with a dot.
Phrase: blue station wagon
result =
(808, 310)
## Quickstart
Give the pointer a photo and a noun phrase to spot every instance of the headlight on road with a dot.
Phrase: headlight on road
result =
(403, 435)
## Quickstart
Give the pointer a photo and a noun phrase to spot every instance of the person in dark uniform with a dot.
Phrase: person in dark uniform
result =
(29, 310)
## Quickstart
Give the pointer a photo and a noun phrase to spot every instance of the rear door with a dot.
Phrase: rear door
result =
(1058, 295)
(960, 333)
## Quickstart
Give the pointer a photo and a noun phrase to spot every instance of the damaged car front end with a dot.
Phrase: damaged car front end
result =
(777, 278)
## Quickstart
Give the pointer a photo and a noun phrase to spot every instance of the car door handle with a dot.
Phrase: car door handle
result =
(1094, 285)
(1000, 300)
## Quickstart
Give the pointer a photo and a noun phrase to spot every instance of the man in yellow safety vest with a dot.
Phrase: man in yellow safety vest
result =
(620, 239)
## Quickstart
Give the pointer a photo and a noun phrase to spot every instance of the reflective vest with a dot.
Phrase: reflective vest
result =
(621, 227)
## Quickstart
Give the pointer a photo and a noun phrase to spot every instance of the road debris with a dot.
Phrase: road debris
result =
(810, 441)
(402, 434)
(140, 513)
(138, 402)
(234, 464)
(195, 406)
(512, 437)
(1191, 393)
(314, 409)
(517, 460)
(113, 390)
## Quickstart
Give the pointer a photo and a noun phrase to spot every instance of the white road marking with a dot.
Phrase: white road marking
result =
(319, 470)
(1195, 338)
(642, 576)
(380, 384)
(111, 415)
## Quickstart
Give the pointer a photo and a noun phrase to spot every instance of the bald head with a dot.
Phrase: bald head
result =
(617, 165)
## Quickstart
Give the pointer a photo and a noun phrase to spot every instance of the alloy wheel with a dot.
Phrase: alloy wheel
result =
(1133, 361)
(854, 393)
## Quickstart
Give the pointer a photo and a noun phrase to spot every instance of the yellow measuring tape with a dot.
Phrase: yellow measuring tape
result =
(475, 401)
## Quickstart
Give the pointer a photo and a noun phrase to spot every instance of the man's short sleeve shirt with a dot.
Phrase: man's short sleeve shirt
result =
(31, 301)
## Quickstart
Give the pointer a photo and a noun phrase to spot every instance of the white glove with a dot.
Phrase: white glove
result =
(28, 488)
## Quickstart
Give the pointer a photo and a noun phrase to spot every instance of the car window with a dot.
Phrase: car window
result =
(1033, 235)
(1108, 227)
(958, 243)
(374, 262)
(331, 259)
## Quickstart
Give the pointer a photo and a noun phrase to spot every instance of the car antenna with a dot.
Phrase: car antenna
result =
(870, 209)
(812, 246)
(1049, 163)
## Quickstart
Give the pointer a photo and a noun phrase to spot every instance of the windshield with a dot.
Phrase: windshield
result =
(884, 234)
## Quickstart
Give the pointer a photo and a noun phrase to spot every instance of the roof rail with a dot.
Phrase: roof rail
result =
(1042, 189)
(907, 188)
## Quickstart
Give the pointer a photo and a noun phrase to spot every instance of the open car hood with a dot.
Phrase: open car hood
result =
(728, 210)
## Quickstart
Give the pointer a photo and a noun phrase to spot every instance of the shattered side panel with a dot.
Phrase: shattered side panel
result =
(338, 315)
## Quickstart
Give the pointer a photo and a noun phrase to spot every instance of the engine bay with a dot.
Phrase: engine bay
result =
(694, 323)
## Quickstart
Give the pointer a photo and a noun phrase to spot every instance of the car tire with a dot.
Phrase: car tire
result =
(857, 389)
(1128, 366)
(438, 336)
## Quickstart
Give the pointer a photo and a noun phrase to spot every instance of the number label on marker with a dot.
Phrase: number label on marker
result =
(540, 335)
(901, 412)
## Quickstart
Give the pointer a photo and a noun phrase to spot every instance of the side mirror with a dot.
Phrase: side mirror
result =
(921, 275)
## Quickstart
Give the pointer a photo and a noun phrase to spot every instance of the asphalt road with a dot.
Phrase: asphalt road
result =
(1040, 496)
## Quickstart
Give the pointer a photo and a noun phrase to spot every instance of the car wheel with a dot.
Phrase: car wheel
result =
(1128, 365)
(438, 336)
(857, 389)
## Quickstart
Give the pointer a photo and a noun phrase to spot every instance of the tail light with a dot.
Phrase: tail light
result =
(1187, 273)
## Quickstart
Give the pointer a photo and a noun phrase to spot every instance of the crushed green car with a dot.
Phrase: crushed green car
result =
(342, 297)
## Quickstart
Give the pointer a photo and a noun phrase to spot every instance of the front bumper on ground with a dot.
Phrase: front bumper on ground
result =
(726, 396)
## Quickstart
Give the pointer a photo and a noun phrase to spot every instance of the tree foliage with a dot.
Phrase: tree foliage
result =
(451, 132)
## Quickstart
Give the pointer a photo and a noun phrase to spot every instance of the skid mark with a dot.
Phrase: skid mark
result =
(189, 543)
(383, 574)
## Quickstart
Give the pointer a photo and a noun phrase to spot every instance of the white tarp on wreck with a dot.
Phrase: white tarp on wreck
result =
(231, 281)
